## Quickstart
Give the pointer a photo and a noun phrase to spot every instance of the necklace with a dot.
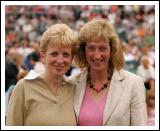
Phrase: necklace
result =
(105, 84)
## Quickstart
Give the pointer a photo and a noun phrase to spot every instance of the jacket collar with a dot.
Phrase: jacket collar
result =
(31, 75)
(115, 91)
(80, 81)
(118, 75)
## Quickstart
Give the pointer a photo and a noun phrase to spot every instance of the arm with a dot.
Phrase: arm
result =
(15, 111)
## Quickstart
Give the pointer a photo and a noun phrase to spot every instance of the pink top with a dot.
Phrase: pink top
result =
(91, 113)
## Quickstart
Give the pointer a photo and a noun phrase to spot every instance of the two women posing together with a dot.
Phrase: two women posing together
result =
(102, 94)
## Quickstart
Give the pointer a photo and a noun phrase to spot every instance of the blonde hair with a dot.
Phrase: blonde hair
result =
(58, 35)
(100, 30)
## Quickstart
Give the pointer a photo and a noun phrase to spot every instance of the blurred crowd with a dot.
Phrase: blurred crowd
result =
(135, 25)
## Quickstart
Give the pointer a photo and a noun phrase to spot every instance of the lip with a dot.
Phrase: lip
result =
(97, 61)
(59, 67)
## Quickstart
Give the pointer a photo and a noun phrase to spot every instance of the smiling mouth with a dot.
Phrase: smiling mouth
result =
(97, 61)
(59, 67)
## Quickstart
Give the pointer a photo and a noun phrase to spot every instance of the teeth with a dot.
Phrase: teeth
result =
(97, 60)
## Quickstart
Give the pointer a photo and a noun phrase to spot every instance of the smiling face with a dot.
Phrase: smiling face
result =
(98, 54)
(57, 59)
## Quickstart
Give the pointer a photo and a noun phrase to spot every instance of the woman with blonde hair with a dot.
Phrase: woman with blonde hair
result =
(106, 94)
(47, 99)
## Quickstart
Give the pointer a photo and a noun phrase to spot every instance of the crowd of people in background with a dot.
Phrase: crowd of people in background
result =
(135, 25)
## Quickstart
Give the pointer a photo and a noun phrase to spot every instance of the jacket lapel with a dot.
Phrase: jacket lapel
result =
(80, 91)
(114, 93)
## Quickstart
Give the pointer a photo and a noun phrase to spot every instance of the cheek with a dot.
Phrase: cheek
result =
(107, 58)
(68, 61)
(88, 57)
(89, 54)
(108, 55)
(49, 61)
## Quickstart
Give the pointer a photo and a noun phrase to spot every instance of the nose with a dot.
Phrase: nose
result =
(97, 54)
(60, 59)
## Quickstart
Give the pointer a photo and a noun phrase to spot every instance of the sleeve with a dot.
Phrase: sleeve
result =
(138, 104)
(15, 113)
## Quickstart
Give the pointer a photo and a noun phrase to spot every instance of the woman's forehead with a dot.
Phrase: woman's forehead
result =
(102, 42)
(58, 46)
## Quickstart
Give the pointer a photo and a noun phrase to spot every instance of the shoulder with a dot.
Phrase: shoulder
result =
(130, 80)
(20, 83)
(67, 81)
(79, 76)
(126, 75)
(32, 75)
(18, 90)
(131, 76)
(135, 83)
(27, 81)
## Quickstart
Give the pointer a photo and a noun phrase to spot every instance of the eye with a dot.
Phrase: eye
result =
(90, 48)
(66, 54)
(103, 48)
(54, 54)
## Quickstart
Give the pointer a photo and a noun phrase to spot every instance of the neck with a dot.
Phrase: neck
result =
(52, 80)
(98, 75)
(98, 81)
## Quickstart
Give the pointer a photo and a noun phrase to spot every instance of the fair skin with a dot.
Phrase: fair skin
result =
(97, 55)
(57, 61)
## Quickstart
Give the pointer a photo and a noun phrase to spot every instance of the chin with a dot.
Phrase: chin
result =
(59, 73)
(97, 68)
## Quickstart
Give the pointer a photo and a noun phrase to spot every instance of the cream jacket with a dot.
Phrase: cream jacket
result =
(125, 104)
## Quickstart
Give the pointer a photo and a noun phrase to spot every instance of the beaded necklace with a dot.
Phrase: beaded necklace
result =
(105, 84)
